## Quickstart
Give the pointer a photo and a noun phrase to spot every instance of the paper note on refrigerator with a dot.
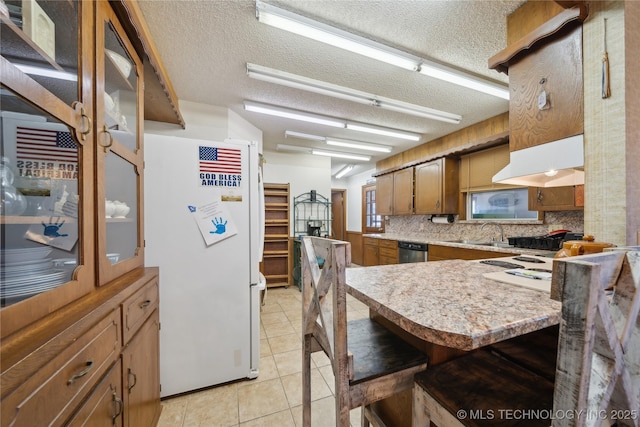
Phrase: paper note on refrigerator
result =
(213, 220)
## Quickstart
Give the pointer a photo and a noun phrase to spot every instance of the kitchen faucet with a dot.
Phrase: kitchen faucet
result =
(496, 224)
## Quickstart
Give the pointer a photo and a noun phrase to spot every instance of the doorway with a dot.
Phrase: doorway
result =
(338, 214)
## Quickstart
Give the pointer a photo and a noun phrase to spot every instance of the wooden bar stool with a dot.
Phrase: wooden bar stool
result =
(369, 362)
(598, 362)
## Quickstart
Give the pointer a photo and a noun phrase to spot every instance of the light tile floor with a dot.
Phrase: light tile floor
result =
(275, 397)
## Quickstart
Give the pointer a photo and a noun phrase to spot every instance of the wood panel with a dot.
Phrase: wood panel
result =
(480, 135)
(384, 195)
(403, 192)
(528, 17)
(356, 240)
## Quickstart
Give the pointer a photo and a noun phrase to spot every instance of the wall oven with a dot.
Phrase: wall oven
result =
(412, 252)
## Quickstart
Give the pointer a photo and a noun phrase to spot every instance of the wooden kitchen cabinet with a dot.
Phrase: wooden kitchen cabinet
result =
(394, 193)
(556, 198)
(62, 338)
(380, 251)
(477, 169)
(437, 187)
(441, 252)
(545, 73)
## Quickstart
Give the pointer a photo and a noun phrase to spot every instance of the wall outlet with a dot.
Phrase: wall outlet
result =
(553, 227)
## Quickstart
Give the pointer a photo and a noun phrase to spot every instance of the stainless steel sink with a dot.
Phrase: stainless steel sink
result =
(481, 243)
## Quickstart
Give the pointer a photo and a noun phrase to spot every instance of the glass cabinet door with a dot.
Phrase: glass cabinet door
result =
(119, 133)
(46, 165)
(41, 39)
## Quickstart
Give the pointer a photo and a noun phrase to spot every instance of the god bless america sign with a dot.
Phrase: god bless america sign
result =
(220, 167)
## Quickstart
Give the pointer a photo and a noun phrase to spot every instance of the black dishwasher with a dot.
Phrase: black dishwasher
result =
(412, 252)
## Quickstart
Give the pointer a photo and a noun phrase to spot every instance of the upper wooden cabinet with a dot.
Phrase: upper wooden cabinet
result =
(437, 187)
(394, 193)
(477, 169)
(556, 198)
(545, 73)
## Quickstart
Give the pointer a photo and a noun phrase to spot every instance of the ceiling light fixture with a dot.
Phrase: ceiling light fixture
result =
(381, 131)
(301, 135)
(345, 170)
(327, 121)
(323, 88)
(292, 114)
(324, 33)
(340, 155)
(358, 145)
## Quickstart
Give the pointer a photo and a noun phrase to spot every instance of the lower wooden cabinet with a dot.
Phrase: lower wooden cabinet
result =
(80, 366)
(380, 251)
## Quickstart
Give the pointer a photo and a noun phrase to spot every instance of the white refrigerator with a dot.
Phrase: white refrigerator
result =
(204, 228)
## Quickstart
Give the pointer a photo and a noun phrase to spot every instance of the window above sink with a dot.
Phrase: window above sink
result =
(503, 205)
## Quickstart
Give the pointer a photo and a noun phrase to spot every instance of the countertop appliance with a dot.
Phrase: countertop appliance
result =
(198, 192)
(552, 241)
(412, 252)
(532, 272)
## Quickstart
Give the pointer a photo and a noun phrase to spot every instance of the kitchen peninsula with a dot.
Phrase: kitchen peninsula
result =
(447, 308)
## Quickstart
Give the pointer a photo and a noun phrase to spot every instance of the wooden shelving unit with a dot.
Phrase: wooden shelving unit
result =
(275, 263)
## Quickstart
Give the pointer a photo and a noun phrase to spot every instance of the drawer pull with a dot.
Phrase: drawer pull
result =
(82, 373)
(135, 380)
(119, 404)
(145, 304)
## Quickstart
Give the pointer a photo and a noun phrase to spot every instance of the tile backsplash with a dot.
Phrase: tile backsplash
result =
(420, 225)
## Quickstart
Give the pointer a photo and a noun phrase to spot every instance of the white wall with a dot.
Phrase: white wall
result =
(303, 173)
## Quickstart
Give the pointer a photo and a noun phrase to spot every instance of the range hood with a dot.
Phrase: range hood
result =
(554, 164)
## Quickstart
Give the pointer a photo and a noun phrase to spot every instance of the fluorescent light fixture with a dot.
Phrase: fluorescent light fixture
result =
(345, 170)
(340, 155)
(358, 145)
(47, 72)
(382, 131)
(323, 88)
(327, 121)
(301, 135)
(460, 78)
(324, 33)
(292, 114)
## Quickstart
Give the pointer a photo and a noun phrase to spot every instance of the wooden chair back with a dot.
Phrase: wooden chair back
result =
(598, 372)
(369, 362)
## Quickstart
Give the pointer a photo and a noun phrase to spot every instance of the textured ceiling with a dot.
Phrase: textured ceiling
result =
(205, 46)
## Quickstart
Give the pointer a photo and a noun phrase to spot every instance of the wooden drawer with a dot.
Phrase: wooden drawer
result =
(392, 244)
(104, 405)
(137, 308)
(389, 253)
(370, 241)
(51, 395)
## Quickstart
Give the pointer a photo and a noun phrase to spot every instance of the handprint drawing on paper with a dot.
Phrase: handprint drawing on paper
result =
(221, 227)
(52, 229)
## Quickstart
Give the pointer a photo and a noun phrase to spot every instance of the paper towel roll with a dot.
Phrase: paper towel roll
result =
(442, 219)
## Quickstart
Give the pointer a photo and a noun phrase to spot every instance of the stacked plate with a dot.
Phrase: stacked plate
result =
(27, 272)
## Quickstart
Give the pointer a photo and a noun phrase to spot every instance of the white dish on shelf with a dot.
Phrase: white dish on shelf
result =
(113, 257)
(39, 27)
(122, 63)
(11, 256)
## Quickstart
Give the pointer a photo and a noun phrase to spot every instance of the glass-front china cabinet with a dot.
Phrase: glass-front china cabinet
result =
(71, 121)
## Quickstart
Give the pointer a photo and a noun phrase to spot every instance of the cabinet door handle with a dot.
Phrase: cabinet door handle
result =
(82, 373)
(118, 406)
(135, 380)
(145, 303)
(84, 120)
(109, 142)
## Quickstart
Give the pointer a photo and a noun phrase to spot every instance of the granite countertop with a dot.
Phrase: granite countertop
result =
(450, 303)
(414, 238)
